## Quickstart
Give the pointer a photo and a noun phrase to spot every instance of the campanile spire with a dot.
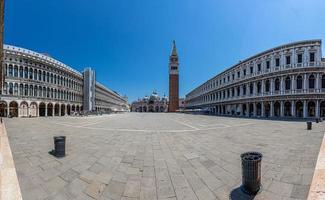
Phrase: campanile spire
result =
(173, 80)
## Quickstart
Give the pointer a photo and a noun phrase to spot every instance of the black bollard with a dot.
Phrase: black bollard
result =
(59, 146)
(309, 125)
(251, 172)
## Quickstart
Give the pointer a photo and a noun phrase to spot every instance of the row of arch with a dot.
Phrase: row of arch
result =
(150, 109)
(39, 91)
(288, 84)
(40, 75)
(298, 109)
(34, 109)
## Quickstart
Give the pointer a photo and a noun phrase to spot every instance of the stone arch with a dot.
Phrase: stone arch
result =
(244, 109)
(311, 81)
(3, 109)
(277, 108)
(267, 86)
(57, 109)
(311, 109)
(277, 84)
(33, 109)
(287, 83)
(62, 109)
(77, 108)
(13, 109)
(23, 111)
(287, 109)
(299, 82)
(41, 109)
(49, 109)
(322, 109)
(251, 109)
(73, 108)
(299, 109)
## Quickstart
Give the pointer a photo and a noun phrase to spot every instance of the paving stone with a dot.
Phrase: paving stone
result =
(161, 159)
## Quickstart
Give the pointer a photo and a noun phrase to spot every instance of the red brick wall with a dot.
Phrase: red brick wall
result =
(173, 93)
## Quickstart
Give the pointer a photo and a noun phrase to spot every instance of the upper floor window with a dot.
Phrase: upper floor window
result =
(268, 64)
(312, 57)
(277, 62)
(251, 70)
(244, 72)
(299, 58)
(228, 78)
(233, 76)
(299, 82)
(238, 74)
(259, 67)
(288, 60)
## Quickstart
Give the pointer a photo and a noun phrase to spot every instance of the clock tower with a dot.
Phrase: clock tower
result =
(173, 80)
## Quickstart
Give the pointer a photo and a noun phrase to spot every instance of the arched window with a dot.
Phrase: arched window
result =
(30, 73)
(16, 89)
(244, 90)
(11, 88)
(35, 74)
(251, 88)
(44, 76)
(299, 82)
(259, 87)
(5, 88)
(40, 91)
(311, 81)
(35, 91)
(21, 72)
(288, 83)
(51, 78)
(26, 72)
(47, 77)
(15, 71)
(277, 85)
(21, 89)
(26, 90)
(10, 70)
(267, 86)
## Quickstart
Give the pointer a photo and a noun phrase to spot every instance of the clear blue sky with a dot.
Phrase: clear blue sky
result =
(128, 42)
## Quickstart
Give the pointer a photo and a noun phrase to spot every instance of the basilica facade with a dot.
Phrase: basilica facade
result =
(152, 103)
(287, 81)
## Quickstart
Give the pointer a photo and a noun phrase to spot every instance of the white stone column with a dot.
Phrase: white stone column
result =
(263, 87)
(53, 110)
(247, 109)
(281, 108)
(305, 83)
(317, 86)
(293, 85)
(45, 110)
(262, 109)
(305, 112)
(65, 110)
(254, 109)
(293, 108)
(60, 109)
(317, 109)
(282, 89)
(271, 86)
(271, 108)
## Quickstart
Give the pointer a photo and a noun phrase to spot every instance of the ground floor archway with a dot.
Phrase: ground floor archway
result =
(50, 109)
(42, 109)
(33, 109)
(13, 109)
(299, 109)
(277, 109)
(62, 109)
(23, 111)
(311, 109)
(3, 109)
(287, 109)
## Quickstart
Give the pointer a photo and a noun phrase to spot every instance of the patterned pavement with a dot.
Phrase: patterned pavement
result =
(161, 156)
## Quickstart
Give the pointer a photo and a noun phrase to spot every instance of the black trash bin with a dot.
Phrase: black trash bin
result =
(251, 172)
(59, 146)
(309, 125)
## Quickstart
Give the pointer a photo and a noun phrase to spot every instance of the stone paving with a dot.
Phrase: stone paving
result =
(161, 156)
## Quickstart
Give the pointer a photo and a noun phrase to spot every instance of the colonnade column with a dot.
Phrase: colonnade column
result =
(45, 110)
(282, 85)
(247, 110)
(8, 110)
(305, 83)
(317, 83)
(60, 110)
(262, 109)
(271, 86)
(293, 84)
(293, 108)
(65, 110)
(254, 109)
(263, 87)
(317, 109)
(281, 108)
(53, 110)
(305, 109)
(271, 108)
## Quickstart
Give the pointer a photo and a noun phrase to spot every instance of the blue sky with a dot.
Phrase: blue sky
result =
(128, 42)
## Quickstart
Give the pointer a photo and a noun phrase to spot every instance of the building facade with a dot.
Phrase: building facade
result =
(284, 82)
(38, 85)
(152, 103)
(173, 80)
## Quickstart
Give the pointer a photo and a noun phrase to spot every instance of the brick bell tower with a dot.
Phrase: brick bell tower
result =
(173, 80)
